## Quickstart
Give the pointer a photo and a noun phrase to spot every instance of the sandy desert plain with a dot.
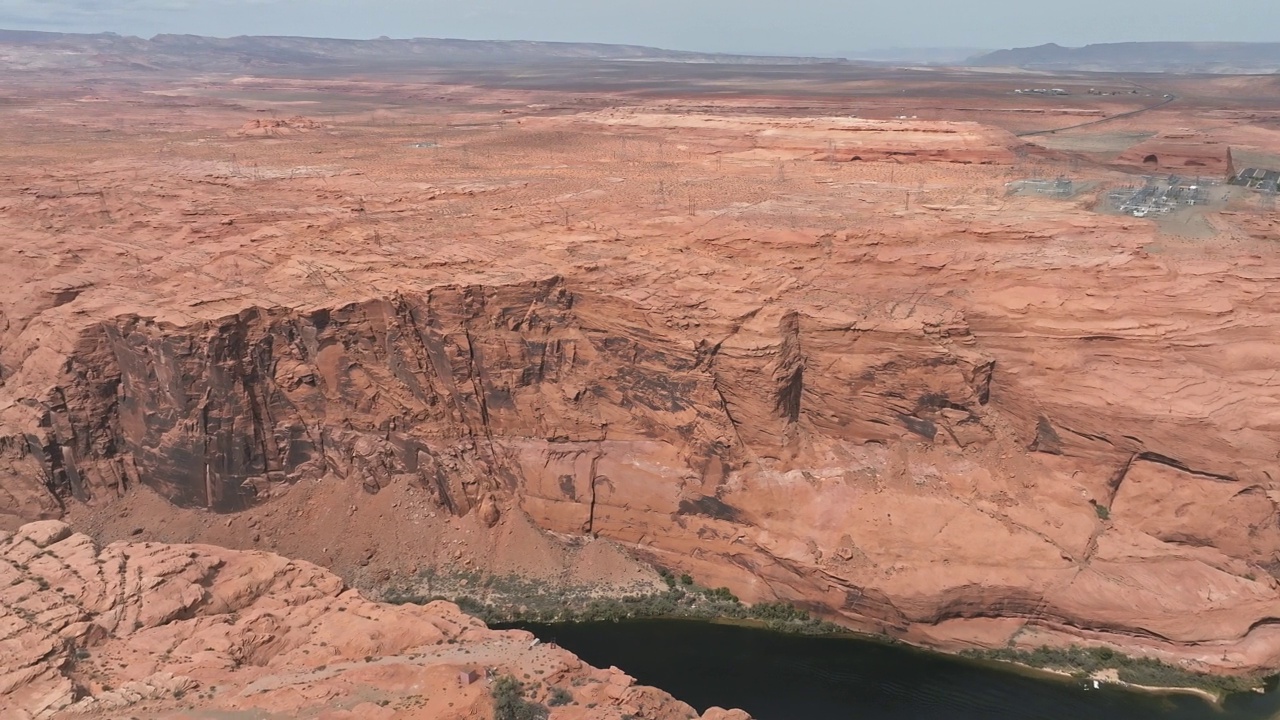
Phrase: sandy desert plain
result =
(785, 329)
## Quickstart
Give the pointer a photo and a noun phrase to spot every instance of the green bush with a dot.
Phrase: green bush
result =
(471, 606)
(1103, 511)
(778, 611)
(559, 696)
(509, 702)
(722, 593)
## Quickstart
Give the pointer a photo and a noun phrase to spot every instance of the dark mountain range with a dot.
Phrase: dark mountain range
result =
(41, 50)
(1177, 57)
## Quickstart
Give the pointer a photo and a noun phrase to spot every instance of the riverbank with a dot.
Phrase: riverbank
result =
(781, 676)
(1138, 673)
(510, 599)
(1113, 677)
(1109, 677)
(506, 600)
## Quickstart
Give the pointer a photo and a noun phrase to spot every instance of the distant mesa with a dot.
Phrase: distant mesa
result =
(1175, 57)
(29, 50)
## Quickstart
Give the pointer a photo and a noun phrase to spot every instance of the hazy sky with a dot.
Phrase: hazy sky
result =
(779, 26)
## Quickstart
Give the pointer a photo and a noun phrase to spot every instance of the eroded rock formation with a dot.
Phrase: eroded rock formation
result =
(154, 630)
(833, 461)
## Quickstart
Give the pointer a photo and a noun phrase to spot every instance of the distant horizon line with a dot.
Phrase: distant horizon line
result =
(833, 55)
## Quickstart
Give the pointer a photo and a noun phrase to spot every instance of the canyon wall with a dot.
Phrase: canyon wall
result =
(885, 469)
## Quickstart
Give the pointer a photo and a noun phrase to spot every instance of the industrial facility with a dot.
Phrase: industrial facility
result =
(1258, 179)
(1158, 196)
(1060, 188)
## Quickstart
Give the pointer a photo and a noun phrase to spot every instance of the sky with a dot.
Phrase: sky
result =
(810, 27)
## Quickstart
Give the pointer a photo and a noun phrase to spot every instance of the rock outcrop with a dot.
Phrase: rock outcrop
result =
(1181, 153)
(827, 139)
(168, 630)
(278, 127)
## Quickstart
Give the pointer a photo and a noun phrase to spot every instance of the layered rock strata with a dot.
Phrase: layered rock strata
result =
(832, 462)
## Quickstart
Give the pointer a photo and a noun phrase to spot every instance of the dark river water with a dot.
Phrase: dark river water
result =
(775, 676)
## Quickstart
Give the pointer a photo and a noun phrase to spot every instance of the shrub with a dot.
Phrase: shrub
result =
(1103, 511)
(722, 593)
(509, 702)
(474, 608)
(559, 696)
(778, 611)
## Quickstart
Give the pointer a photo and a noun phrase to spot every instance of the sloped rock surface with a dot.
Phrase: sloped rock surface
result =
(168, 630)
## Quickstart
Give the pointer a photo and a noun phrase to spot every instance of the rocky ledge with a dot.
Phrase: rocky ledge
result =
(154, 630)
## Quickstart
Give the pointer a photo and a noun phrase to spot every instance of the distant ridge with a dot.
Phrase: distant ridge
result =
(1175, 57)
(22, 49)
(915, 56)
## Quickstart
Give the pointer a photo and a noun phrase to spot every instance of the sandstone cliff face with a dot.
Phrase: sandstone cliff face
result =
(446, 390)
(170, 630)
(831, 461)
(880, 390)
